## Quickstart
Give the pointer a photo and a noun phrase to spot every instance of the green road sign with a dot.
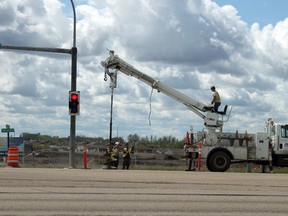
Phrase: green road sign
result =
(6, 130)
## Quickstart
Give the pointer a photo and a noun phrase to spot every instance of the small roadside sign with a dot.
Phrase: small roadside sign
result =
(7, 130)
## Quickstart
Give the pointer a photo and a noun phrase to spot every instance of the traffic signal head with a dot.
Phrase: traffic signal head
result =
(74, 102)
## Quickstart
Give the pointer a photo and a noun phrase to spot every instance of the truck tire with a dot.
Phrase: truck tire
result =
(209, 166)
(219, 162)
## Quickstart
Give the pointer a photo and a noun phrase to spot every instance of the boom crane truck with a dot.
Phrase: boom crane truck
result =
(219, 149)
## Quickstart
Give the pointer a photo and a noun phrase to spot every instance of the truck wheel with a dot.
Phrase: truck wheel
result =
(209, 166)
(219, 162)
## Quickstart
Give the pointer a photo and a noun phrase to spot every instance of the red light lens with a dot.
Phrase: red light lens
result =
(74, 96)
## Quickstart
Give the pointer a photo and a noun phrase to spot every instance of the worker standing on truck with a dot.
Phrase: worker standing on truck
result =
(216, 99)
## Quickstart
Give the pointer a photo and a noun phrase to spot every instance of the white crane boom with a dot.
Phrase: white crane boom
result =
(210, 119)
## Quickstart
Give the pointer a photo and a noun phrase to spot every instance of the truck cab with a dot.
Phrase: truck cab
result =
(278, 134)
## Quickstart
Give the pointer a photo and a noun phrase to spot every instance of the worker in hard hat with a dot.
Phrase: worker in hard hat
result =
(115, 155)
(127, 151)
(216, 100)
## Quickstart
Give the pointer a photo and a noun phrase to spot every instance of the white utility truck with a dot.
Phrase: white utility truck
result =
(219, 149)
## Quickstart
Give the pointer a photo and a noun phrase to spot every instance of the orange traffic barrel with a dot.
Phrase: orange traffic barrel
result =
(13, 158)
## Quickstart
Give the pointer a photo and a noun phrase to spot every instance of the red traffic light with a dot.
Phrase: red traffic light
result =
(74, 96)
(74, 103)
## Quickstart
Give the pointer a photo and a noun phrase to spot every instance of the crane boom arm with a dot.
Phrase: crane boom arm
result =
(114, 62)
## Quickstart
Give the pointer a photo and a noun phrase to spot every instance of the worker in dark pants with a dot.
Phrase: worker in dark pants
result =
(127, 151)
(191, 156)
(216, 99)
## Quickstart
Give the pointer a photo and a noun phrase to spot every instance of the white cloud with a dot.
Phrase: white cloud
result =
(189, 45)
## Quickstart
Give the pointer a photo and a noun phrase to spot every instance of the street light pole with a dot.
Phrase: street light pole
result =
(73, 52)
(73, 88)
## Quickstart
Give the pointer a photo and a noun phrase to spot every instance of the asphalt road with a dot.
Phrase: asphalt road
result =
(33, 191)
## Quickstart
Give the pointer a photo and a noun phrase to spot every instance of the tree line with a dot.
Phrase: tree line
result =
(133, 139)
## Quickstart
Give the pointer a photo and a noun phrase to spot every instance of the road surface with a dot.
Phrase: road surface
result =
(34, 191)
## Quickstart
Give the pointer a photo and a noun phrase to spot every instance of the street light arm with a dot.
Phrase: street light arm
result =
(39, 49)
(74, 24)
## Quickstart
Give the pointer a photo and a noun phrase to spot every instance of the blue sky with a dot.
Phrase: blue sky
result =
(263, 12)
(211, 46)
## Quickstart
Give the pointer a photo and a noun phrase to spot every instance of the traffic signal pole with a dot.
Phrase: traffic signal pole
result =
(73, 52)
(73, 88)
(73, 117)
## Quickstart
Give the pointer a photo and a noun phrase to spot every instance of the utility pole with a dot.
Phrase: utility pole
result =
(113, 85)
(111, 114)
